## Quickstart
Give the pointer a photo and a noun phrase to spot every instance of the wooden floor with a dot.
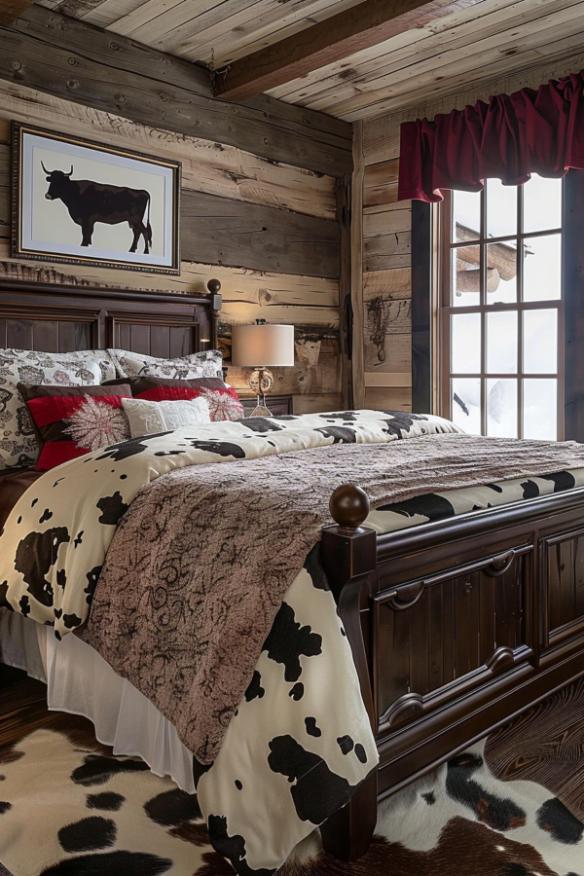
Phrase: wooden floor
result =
(23, 709)
(546, 745)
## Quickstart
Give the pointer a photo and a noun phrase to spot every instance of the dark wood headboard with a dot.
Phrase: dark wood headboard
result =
(60, 319)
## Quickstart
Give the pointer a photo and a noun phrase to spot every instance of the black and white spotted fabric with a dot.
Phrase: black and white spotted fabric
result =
(440, 506)
(295, 750)
(58, 534)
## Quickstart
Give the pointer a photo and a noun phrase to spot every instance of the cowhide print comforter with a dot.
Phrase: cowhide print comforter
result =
(292, 750)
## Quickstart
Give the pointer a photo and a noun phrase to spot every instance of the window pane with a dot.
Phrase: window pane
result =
(466, 403)
(466, 343)
(502, 273)
(540, 414)
(466, 213)
(540, 341)
(542, 204)
(502, 342)
(501, 209)
(466, 276)
(502, 408)
(542, 278)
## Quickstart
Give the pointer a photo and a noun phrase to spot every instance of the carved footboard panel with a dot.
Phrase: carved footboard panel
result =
(457, 626)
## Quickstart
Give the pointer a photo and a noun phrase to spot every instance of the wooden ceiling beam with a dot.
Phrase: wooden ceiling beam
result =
(10, 10)
(368, 24)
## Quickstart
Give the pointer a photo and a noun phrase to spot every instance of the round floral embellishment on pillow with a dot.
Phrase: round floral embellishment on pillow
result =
(223, 404)
(95, 425)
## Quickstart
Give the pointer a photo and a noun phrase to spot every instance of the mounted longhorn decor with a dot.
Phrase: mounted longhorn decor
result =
(81, 202)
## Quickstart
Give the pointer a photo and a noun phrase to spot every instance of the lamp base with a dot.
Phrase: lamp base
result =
(261, 411)
(261, 381)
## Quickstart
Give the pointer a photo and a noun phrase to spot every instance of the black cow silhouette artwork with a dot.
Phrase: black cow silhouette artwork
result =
(89, 202)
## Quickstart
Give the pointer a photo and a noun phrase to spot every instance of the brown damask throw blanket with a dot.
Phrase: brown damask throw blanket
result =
(202, 560)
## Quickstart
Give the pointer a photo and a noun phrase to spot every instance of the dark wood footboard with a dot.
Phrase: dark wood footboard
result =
(456, 627)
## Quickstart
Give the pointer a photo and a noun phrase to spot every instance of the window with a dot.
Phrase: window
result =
(501, 309)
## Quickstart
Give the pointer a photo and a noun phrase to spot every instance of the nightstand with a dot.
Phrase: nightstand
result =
(279, 405)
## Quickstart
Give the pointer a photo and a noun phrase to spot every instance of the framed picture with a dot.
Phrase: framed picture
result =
(81, 202)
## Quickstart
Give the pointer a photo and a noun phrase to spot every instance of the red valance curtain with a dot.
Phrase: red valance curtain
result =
(510, 137)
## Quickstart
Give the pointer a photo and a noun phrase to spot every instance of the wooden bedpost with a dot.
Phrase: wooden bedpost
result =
(349, 555)
(214, 287)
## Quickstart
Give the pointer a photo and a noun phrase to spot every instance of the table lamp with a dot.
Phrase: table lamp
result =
(261, 346)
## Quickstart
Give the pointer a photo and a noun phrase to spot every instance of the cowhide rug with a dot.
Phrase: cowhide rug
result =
(512, 807)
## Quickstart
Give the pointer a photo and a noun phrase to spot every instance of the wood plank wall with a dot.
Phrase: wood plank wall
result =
(382, 288)
(262, 183)
(381, 239)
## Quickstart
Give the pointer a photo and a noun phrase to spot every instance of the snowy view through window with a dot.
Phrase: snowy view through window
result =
(505, 293)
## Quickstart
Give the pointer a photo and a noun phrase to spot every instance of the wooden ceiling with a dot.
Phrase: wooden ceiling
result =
(432, 48)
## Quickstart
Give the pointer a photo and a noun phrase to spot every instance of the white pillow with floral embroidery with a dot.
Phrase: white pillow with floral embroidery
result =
(19, 446)
(149, 417)
(207, 363)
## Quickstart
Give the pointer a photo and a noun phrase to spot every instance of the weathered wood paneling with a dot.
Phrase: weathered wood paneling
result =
(207, 166)
(437, 57)
(454, 54)
(267, 229)
(74, 60)
(344, 197)
(380, 182)
(358, 351)
(246, 294)
(386, 301)
(388, 398)
(11, 9)
(225, 232)
(217, 32)
(387, 278)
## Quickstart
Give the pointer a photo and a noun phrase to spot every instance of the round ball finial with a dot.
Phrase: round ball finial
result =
(214, 286)
(349, 506)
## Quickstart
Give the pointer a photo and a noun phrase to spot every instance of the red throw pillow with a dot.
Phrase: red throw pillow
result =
(73, 420)
(224, 402)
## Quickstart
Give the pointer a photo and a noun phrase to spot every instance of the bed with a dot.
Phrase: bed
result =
(469, 609)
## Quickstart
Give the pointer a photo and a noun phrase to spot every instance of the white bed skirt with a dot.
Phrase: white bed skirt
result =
(80, 682)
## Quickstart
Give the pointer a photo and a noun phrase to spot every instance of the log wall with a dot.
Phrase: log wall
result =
(261, 184)
(381, 274)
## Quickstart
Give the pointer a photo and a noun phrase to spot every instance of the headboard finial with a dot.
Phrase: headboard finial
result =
(214, 286)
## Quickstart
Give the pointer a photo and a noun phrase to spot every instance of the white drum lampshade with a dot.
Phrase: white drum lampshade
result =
(262, 345)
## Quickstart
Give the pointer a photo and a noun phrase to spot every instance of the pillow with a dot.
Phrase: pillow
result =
(148, 417)
(19, 445)
(142, 387)
(72, 420)
(223, 400)
(208, 363)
